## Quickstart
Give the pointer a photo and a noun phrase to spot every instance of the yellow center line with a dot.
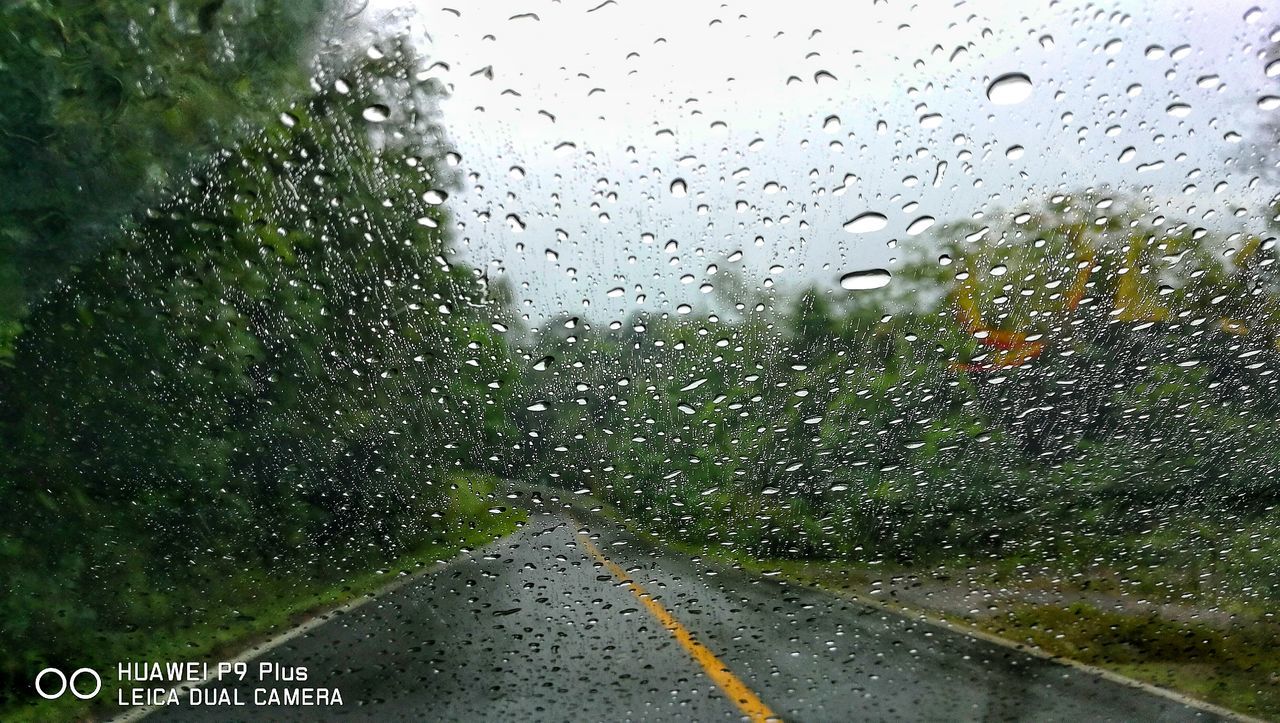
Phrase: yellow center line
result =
(737, 691)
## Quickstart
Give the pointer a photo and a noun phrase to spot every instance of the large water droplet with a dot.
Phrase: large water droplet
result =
(866, 279)
(866, 222)
(376, 113)
(919, 225)
(679, 188)
(1009, 89)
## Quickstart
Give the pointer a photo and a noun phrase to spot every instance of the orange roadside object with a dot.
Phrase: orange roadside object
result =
(1013, 348)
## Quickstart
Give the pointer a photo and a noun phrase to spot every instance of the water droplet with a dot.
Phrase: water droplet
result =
(1178, 110)
(866, 222)
(376, 113)
(919, 225)
(1009, 89)
(435, 197)
(867, 279)
(679, 188)
(1013, 153)
(831, 124)
(537, 407)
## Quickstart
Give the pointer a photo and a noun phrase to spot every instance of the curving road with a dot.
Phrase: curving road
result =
(570, 622)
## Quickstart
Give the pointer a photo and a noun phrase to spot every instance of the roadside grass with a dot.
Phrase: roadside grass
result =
(1235, 666)
(272, 606)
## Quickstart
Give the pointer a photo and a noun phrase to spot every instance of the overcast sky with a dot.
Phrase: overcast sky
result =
(781, 121)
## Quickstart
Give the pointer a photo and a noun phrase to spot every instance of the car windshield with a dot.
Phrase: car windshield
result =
(607, 360)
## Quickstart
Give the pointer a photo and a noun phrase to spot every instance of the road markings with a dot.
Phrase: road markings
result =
(919, 615)
(737, 691)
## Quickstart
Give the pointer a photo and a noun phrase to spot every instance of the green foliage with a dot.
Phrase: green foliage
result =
(275, 374)
(860, 426)
(105, 102)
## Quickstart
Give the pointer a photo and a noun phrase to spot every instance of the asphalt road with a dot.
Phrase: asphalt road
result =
(538, 626)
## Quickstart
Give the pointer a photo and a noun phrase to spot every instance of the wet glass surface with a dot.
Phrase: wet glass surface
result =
(621, 361)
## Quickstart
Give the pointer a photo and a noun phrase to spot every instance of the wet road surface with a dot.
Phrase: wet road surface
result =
(564, 621)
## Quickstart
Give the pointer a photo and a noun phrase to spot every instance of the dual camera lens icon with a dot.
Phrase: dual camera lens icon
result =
(52, 683)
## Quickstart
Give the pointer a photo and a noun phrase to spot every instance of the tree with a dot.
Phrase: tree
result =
(106, 102)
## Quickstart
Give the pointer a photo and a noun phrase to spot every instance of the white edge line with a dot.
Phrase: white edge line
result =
(138, 713)
(973, 632)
